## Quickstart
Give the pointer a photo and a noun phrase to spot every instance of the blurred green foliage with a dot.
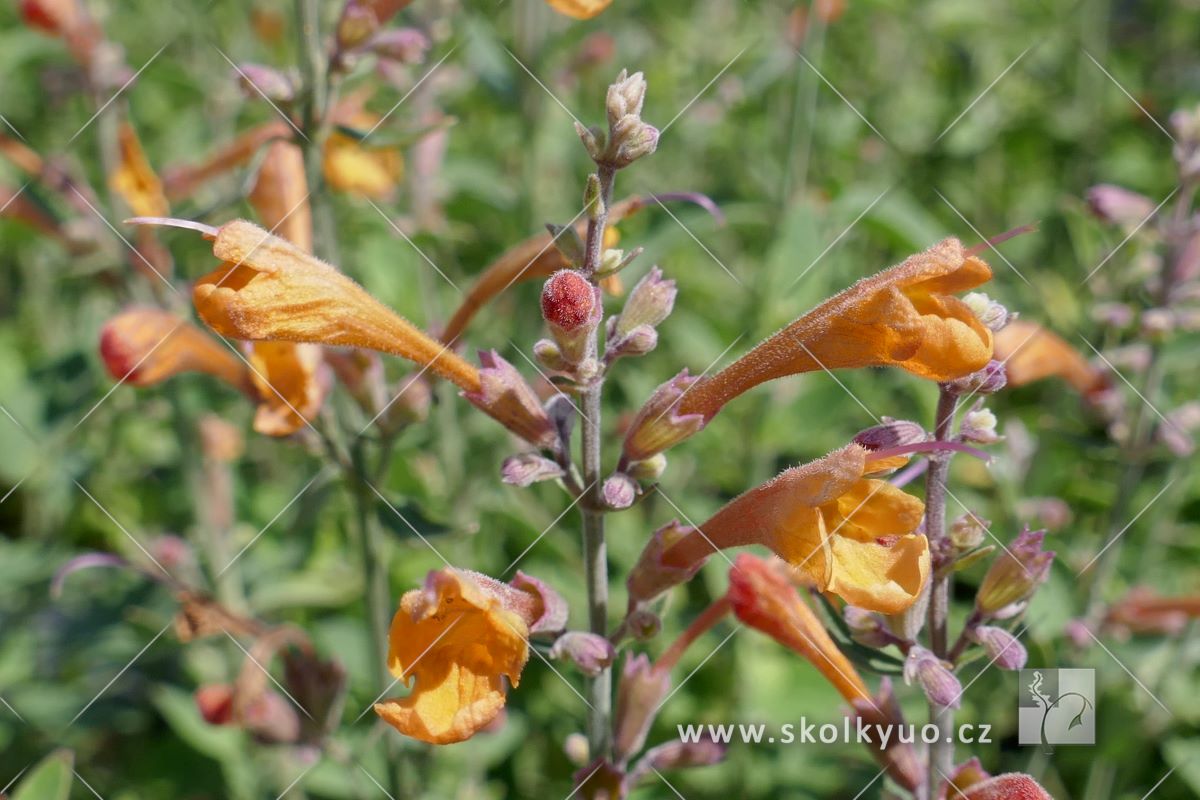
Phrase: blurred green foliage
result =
(982, 117)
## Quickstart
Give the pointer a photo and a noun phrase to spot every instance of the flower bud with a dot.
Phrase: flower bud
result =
(1157, 322)
(572, 309)
(258, 81)
(1116, 315)
(590, 652)
(644, 624)
(575, 746)
(866, 627)
(1010, 786)
(1004, 649)
(967, 532)
(620, 491)
(641, 690)
(992, 314)
(625, 97)
(992, 378)
(504, 395)
(630, 142)
(215, 703)
(593, 140)
(937, 681)
(1119, 206)
(356, 24)
(979, 425)
(658, 426)
(892, 433)
(677, 755)
(403, 45)
(650, 302)
(1015, 574)
(641, 340)
(1051, 513)
(548, 355)
(526, 469)
(649, 470)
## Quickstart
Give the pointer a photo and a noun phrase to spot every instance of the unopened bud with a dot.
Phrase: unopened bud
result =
(651, 469)
(935, 678)
(892, 433)
(644, 624)
(993, 315)
(572, 308)
(593, 197)
(967, 532)
(589, 652)
(625, 97)
(1157, 322)
(576, 748)
(650, 302)
(637, 342)
(258, 81)
(215, 703)
(992, 378)
(659, 426)
(356, 25)
(526, 469)
(1015, 575)
(593, 140)
(866, 627)
(1116, 315)
(549, 356)
(620, 491)
(631, 141)
(403, 45)
(1004, 649)
(611, 261)
(1119, 206)
(979, 425)
(680, 755)
(641, 690)
(506, 397)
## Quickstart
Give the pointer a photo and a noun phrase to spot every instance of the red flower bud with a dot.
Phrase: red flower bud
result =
(568, 300)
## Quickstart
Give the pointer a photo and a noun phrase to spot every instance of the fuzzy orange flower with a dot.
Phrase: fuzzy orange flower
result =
(458, 638)
(848, 534)
(145, 346)
(135, 180)
(352, 166)
(269, 289)
(906, 316)
(1031, 353)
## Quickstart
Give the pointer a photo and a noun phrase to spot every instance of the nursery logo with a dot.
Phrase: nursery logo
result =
(1057, 706)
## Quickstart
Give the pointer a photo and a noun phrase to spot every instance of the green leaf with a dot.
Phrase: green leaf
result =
(51, 779)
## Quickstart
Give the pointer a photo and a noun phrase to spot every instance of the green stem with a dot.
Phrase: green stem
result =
(941, 752)
(319, 88)
(595, 560)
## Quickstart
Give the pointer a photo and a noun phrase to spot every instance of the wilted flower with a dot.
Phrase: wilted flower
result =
(764, 597)
(849, 535)
(1031, 353)
(906, 316)
(936, 679)
(459, 637)
(145, 346)
(1145, 611)
(1015, 575)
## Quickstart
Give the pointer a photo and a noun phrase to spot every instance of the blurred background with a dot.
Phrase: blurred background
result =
(836, 138)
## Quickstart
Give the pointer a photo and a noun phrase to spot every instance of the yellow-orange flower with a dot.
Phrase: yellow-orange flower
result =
(848, 534)
(269, 289)
(458, 638)
(145, 346)
(1031, 353)
(135, 180)
(906, 316)
(763, 597)
(579, 9)
(290, 383)
(280, 195)
(351, 166)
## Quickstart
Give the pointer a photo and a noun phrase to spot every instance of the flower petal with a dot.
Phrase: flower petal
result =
(886, 578)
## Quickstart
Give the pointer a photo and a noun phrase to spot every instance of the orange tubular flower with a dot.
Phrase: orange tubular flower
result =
(182, 181)
(459, 637)
(145, 346)
(579, 9)
(269, 289)
(351, 166)
(850, 535)
(764, 597)
(280, 194)
(906, 316)
(1031, 353)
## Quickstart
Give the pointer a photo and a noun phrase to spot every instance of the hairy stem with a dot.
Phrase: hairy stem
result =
(941, 752)
(595, 558)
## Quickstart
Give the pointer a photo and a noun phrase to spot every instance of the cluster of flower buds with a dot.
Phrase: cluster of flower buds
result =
(628, 137)
(360, 30)
(634, 332)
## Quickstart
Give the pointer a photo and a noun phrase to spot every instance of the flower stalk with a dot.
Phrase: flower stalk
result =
(941, 752)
